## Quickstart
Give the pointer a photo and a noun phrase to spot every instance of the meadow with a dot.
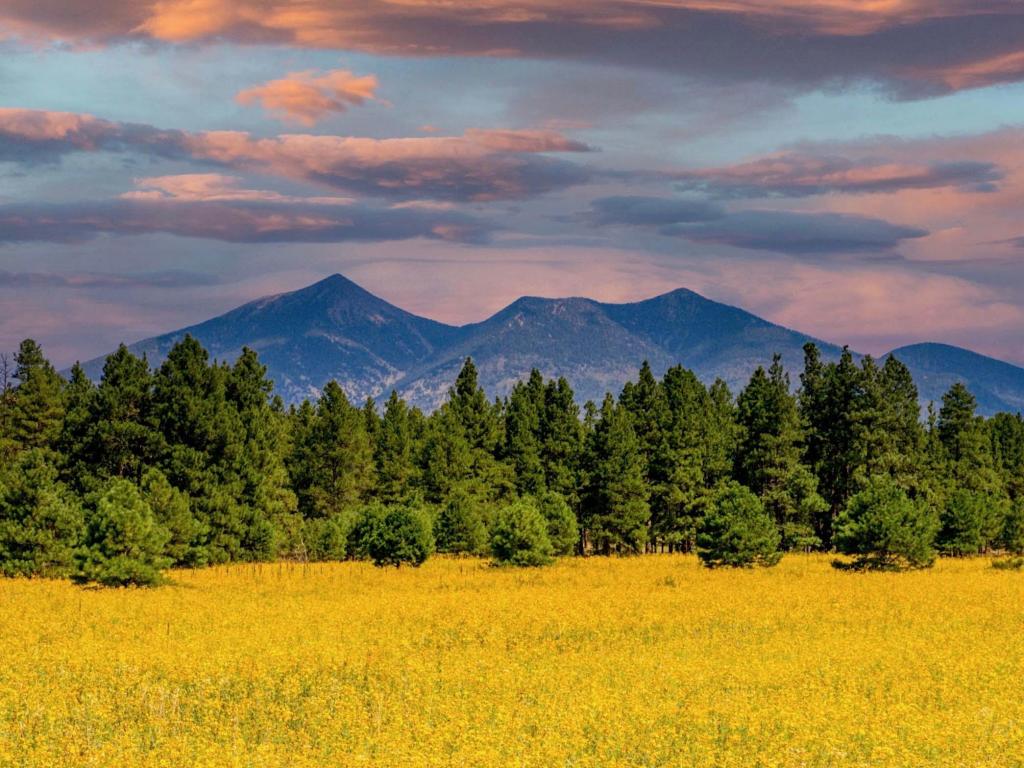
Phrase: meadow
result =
(644, 661)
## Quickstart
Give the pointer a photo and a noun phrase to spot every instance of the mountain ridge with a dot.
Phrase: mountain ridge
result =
(336, 329)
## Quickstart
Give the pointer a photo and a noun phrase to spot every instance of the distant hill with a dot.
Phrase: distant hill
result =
(335, 329)
(998, 386)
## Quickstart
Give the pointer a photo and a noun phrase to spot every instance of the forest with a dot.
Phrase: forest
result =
(196, 462)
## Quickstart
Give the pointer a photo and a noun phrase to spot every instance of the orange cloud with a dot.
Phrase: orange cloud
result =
(214, 187)
(479, 165)
(306, 98)
(916, 46)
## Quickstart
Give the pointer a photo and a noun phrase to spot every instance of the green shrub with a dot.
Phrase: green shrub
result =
(737, 531)
(394, 535)
(885, 529)
(520, 536)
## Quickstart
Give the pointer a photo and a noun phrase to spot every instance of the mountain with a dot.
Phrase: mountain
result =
(998, 386)
(335, 329)
(598, 347)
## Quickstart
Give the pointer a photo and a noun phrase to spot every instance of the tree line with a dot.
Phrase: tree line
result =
(196, 462)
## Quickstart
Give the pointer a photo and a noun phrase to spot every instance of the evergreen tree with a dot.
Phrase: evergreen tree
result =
(737, 531)
(400, 536)
(523, 437)
(768, 457)
(460, 528)
(886, 529)
(122, 441)
(172, 510)
(41, 521)
(519, 536)
(563, 532)
(37, 405)
(971, 522)
(617, 511)
(561, 441)
(648, 409)
(124, 544)
(337, 457)
(395, 451)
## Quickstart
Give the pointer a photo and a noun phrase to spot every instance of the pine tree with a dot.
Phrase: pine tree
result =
(37, 405)
(395, 451)
(41, 521)
(338, 457)
(124, 544)
(519, 536)
(523, 437)
(737, 531)
(768, 457)
(563, 532)
(561, 437)
(261, 463)
(460, 528)
(886, 529)
(172, 510)
(617, 510)
(122, 441)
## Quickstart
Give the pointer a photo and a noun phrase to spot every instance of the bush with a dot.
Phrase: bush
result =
(737, 531)
(394, 535)
(124, 544)
(885, 529)
(520, 536)
(563, 531)
(460, 528)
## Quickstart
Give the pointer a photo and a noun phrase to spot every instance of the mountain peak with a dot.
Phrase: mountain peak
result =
(336, 329)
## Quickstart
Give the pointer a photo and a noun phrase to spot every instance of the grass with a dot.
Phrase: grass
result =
(650, 661)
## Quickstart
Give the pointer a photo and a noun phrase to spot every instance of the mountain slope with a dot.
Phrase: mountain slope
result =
(998, 386)
(334, 329)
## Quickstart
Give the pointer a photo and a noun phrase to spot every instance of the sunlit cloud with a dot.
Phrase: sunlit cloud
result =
(307, 97)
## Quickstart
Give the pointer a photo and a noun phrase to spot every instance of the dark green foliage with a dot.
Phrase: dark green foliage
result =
(173, 511)
(616, 509)
(768, 457)
(325, 538)
(202, 456)
(41, 521)
(519, 536)
(124, 544)
(460, 528)
(1012, 537)
(886, 529)
(37, 405)
(563, 531)
(400, 536)
(971, 522)
(737, 531)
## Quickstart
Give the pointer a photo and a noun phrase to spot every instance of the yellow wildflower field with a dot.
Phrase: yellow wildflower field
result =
(649, 661)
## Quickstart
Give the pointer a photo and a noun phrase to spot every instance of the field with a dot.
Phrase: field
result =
(601, 662)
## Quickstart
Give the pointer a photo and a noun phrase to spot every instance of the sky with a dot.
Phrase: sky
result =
(850, 168)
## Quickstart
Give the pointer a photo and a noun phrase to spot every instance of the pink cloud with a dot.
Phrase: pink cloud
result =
(308, 98)
(479, 165)
(919, 46)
